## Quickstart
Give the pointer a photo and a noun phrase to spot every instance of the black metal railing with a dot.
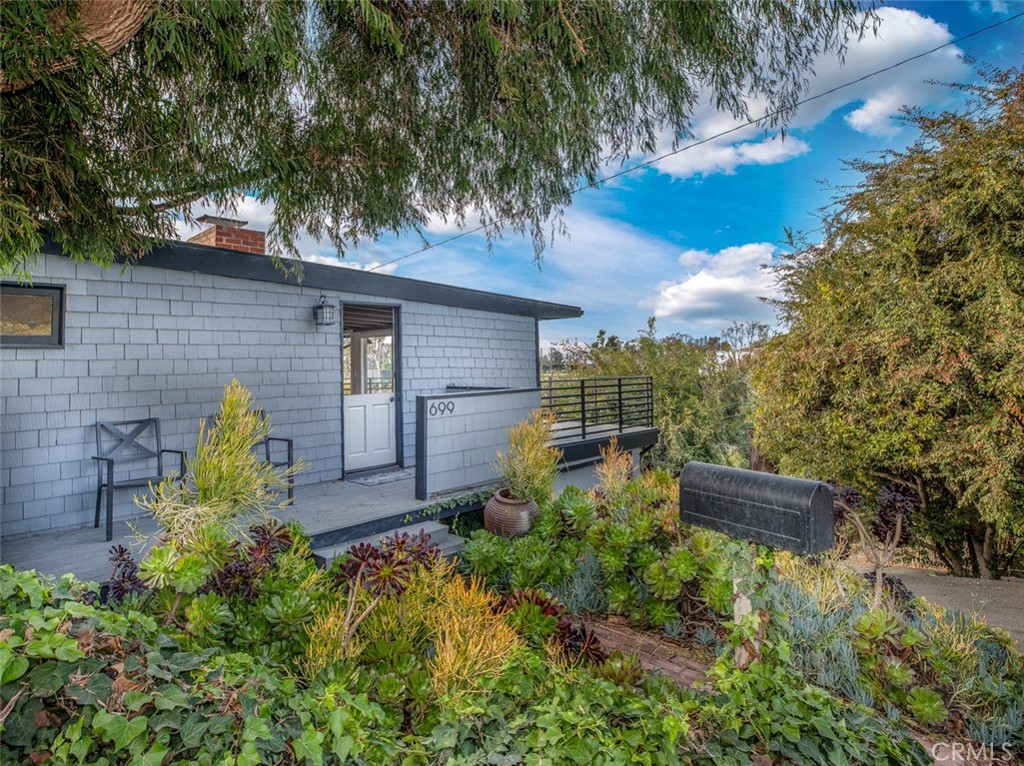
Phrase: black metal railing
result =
(594, 407)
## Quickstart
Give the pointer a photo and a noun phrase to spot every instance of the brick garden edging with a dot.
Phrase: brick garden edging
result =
(679, 663)
(654, 652)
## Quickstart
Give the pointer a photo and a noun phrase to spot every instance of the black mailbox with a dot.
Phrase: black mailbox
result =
(779, 511)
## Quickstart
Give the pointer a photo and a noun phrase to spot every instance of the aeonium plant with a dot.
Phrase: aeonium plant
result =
(896, 503)
(379, 571)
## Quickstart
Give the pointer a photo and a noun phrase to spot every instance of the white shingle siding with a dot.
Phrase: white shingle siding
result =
(462, 442)
(160, 343)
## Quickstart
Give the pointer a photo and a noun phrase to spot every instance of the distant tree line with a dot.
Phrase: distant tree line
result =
(702, 403)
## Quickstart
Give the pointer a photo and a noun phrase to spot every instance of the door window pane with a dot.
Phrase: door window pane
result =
(378, 358)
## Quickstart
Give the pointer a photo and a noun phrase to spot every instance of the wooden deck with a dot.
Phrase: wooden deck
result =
(330, 513)
(322, 509)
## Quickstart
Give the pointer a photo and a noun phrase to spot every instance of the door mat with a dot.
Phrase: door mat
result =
(376, 479)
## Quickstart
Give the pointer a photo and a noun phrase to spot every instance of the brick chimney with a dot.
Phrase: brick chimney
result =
(230, 234)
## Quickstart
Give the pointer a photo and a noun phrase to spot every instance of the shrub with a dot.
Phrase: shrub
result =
(769, 708)
(88, 685)
(406, 619)
(536, 712)
(225, 481)
(931, 665)
(613, 472)
(529, 465)
(471, 638)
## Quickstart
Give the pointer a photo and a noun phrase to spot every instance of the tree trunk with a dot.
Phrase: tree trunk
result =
(981, 546)
(951, 559)
(110, 24)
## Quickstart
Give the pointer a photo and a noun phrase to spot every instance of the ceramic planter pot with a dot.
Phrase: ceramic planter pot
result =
(508, 517)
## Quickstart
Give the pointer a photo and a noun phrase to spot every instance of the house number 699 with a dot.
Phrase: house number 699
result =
(441, 408)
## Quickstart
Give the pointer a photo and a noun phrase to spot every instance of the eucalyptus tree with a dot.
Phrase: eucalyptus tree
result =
(358, 118)
(903, 363)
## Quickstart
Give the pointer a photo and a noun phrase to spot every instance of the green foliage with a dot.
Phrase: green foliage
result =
(825, 646)
(769, 707)
(535, 618)
(489, 106)
(537, 712)
(926, 706)
(227, 483)
(702, 401)
(115, 685)
(123, 692)
(623, 551)
(903, 356)
(530, 465)
(933, 666)
(578, 510)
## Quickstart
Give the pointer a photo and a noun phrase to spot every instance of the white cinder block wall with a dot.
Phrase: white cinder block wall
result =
(154, 342)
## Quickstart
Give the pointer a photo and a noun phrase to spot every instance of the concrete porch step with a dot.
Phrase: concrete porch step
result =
(449, 544)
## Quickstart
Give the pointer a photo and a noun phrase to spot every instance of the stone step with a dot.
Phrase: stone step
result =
(439, 535)
(452, 546)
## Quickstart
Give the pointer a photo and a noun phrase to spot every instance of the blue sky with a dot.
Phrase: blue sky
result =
(685, 240)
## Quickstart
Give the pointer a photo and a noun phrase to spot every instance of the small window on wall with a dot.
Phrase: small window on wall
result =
(31, 316)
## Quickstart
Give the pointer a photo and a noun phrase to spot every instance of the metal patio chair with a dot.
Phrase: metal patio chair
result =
(271, 454)
(135, 444)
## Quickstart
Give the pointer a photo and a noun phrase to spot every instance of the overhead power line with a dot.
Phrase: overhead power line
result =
(693, 145)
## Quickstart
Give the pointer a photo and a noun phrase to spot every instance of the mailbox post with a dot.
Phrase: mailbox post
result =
(778, 511)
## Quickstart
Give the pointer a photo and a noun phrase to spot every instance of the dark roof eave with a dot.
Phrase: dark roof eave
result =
(188, 256)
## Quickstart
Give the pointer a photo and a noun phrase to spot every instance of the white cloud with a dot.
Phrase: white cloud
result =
(718, 288)
(994, 7)
(725, 158)
(344, 263)
(450, 224)
(901, 33)
(602, 263)
(875, 116)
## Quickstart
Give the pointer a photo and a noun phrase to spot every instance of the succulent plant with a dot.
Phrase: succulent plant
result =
(926, 706)
(894, 502)
(275, 536)
(581, 645)
(124, 577)
(236, 578)
(385, 570)
(387, 574)
(621, 670)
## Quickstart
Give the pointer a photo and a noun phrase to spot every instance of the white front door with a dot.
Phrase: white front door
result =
(369, 387)
(369, 431)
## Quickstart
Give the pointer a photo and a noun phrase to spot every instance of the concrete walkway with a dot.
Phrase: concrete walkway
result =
(1000, 603)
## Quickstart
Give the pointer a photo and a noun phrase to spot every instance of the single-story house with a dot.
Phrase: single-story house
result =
(404, 373)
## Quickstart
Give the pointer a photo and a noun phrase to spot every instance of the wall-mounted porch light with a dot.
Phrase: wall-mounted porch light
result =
(324, 314)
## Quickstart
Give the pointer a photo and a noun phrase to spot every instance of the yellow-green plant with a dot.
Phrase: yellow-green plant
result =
(530, 464)
(832, 583)
(327, 640)
(614, 472)
(226, 482)
(407, 618)
(472, 640)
